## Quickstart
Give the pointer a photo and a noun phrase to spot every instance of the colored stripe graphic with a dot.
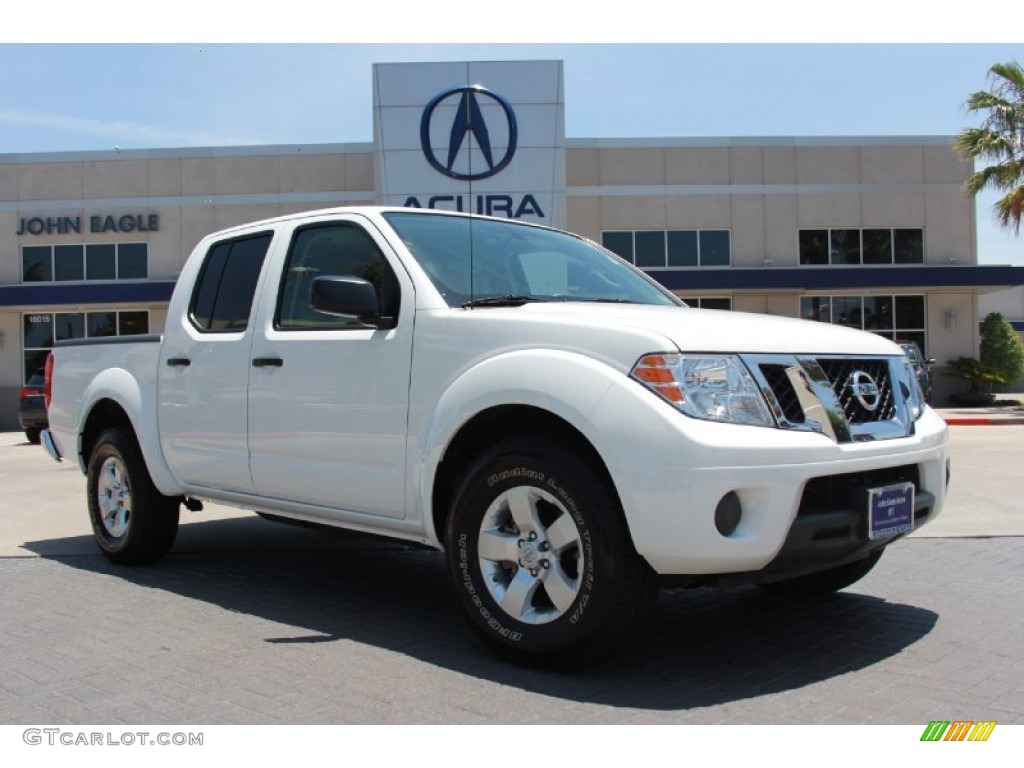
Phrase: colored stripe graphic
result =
(982, 731)
(935, 730)
(958, 730)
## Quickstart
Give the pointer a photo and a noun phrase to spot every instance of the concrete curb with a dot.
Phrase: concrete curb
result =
(983, 421)
(1008, 412)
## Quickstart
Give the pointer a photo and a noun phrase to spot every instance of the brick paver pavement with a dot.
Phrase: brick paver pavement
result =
(355, 631)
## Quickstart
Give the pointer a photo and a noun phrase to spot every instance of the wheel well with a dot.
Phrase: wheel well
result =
(498, 423)
(104, 414)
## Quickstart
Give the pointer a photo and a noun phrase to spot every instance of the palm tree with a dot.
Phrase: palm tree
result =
(999, 140)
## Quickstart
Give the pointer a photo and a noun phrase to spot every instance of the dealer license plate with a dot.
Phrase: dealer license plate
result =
(890, 510)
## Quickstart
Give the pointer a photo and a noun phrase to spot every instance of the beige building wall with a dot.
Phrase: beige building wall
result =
(765, 194)
(10, 363)
(193, 192)
(762, 191)
(187, 191)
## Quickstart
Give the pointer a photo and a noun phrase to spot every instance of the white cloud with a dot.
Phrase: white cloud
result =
(120, 132)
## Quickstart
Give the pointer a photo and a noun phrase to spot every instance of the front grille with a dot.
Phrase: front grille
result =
(781, 386)
(846, 399)
(858, 409)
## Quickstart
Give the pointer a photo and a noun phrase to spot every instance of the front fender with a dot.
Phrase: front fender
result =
(568, 385)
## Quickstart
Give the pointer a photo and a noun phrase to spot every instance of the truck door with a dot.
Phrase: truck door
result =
(204, 368)
(329, 396)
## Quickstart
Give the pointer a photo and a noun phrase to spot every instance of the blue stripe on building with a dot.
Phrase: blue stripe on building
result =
(838, 278)
(58, 294)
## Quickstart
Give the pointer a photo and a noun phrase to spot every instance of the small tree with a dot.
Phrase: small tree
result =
(1001, 348)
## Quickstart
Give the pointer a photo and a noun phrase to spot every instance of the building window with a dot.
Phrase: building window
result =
(654, 249)
(42, 329)
(92, 261)
(898, 318)
(819, 247)
(709, 302)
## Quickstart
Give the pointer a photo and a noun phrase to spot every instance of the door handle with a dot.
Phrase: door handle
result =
(264, 362)
(176, 361)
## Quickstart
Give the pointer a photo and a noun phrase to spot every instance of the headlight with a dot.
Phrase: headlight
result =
(914, 397)
(715, 387)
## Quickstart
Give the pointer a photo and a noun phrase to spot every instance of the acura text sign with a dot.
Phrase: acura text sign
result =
(480, 137)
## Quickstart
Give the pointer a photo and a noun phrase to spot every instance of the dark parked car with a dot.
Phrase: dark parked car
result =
(32, 409)
(921, 366)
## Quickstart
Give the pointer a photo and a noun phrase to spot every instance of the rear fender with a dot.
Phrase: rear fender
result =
(139, 404)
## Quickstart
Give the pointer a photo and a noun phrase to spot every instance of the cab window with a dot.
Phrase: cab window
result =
(336, 250)
(222, 299)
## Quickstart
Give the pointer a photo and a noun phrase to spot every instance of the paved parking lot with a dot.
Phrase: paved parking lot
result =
(251, 622)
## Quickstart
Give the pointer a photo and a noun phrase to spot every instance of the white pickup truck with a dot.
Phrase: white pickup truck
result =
(567, 431)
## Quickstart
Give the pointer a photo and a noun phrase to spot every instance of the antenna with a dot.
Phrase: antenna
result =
(471, 136)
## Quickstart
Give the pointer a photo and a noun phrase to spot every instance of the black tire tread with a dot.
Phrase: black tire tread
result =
(154, 521)
(635, 583)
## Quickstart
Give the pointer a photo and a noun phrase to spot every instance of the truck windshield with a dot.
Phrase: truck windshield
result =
(481, 262)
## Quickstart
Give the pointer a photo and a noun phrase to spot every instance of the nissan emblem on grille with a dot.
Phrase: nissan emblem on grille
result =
(864, 388)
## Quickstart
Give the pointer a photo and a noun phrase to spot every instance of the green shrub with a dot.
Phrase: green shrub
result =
(1001, 350)
(979, 377)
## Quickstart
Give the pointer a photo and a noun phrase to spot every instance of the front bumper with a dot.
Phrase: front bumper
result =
(826, 536)
(799, 491)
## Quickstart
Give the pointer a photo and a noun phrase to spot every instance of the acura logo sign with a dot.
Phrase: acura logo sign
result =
(468, 122)
(864, 388)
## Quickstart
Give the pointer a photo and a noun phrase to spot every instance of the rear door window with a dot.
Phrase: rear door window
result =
(222, 298)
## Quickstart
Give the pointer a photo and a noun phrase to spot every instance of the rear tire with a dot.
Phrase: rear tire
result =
(32, 435)
(825, 582)
(541, 559)
(132, 521)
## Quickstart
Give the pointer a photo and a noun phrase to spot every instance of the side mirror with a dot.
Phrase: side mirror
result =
(349, 297)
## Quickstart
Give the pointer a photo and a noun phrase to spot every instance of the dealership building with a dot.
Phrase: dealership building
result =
(871, 232)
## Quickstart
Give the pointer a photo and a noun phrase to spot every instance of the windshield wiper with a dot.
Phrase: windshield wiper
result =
(605, 301)
(509, 300)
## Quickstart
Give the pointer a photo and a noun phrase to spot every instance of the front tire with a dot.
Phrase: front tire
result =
(825, 582)
(133, 523)
(541, 558)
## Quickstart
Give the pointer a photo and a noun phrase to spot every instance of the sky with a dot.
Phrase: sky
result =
(67, 92)
(88, 76)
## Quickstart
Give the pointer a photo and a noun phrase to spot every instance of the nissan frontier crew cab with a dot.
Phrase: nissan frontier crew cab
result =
(568, 432)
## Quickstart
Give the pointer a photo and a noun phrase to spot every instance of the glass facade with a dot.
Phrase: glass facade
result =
(41, 329)
(898, 318)
(656, 249)
(78, 262)
(710, 302)
(820, 247)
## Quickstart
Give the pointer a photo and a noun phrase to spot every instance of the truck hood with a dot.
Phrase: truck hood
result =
(707, 330)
